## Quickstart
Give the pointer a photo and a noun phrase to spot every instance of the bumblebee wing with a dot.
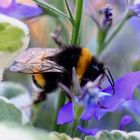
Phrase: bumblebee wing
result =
(33, 55)
(34, 60)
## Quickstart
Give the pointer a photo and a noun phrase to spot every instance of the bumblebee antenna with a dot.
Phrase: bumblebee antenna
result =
(110, 78)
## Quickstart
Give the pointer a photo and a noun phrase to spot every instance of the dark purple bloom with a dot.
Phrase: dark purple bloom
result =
(135, 9)
(127, 119)
(124, 88)
(107, 16)
(92, 131)
(20, 11)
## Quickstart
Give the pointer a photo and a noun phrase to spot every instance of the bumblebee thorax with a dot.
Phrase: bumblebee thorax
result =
(83, 62)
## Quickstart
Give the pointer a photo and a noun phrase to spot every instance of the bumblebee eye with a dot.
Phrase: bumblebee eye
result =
(95, 67)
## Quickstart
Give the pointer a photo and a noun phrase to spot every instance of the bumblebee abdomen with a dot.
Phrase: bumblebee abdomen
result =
(39, 80)
(49, 81)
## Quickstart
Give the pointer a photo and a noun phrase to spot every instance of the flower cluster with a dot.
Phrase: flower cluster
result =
(98, 103)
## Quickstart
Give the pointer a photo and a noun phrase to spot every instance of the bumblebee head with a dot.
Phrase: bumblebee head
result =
(100, 69)
(95, 70)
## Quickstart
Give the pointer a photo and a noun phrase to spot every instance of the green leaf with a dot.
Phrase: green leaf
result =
(9, 112)
(119, 136)
(14, 38)
(133, 138)
(51, 8)
(14, 34)
(135, 135)
(18, 95)
(58, 136)
(14, 132)
(10, 89)
(89, 138)
(10, 37)
(105, 135)
(69, 11)
(115, 135)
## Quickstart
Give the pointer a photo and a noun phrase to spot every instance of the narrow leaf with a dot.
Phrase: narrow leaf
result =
(51, 8)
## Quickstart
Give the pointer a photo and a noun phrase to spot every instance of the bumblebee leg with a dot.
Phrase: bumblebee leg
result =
(41, 97)
(67, 90)
(100, 81)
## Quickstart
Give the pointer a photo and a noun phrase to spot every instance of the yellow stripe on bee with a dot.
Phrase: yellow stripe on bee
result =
(83, 63)
(39, 80)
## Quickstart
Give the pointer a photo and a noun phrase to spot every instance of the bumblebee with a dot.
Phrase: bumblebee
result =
(51, 66)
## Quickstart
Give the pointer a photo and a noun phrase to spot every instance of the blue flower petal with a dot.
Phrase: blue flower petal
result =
(99, 113)
(124, 89)
(92, 131)
(65, 114)
(21, 11)
(88, 113)
(133, 106)
(92, 112)
(125, 121)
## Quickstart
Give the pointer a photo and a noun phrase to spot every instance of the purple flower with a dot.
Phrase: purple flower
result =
(92, 131)
(133, 106)
(104, 10)
(64, 113)
(20, 11)
(107, 17)
(90, 100)
(124, 88)
(125, 121)
(135, 10)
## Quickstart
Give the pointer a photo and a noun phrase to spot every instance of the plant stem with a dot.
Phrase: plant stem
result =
(60, 103)
(104, 44)
(78, 110)
(101, 39)
(77, 22)
(117, 29)
(69, 11)
(74, 39)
